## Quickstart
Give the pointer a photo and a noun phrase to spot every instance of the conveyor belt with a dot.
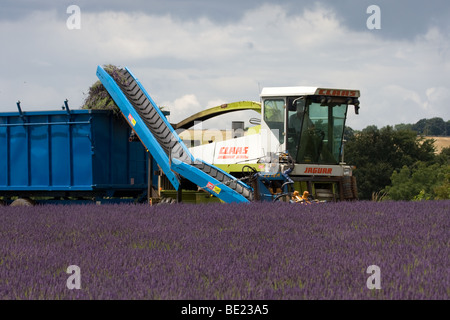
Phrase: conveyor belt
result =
(168, 140)
(223, 177)
(155, 122)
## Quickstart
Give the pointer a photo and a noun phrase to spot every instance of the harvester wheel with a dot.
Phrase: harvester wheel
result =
(22, 202)
(347, 187)
(354, 188)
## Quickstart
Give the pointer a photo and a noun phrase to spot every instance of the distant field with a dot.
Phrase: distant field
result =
(441, 142)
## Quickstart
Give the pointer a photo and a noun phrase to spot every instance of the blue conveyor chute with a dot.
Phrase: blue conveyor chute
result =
(164, 144)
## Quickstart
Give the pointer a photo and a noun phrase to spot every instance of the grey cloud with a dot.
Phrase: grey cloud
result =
(400, 18)
(227, 57)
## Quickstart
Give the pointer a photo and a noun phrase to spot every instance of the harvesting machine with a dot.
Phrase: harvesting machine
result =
(299, 139)
(298, 145)
(78, 154)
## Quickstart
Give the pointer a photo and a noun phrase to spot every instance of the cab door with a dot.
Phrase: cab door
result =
(273, 126)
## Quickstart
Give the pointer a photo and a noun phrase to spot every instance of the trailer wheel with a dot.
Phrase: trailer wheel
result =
(22, 202)
(167, 201)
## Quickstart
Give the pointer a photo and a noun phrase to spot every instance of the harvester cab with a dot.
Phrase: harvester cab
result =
(307, 123)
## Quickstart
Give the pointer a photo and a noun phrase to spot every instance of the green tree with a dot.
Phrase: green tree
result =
(349, 133)
(401, 188)
(431, 127)
(421, 182)
(436, 127)
(442, 190)
(443, 157)
(403, 126)
(377, 153)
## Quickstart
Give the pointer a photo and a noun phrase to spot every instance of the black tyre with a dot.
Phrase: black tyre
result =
(167, 201)
(347, 187)
(22, 202)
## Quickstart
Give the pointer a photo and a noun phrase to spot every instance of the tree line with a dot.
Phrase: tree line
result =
(399, 162)
(428, 127)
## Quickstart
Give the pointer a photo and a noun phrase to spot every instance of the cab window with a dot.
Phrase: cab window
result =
(274, 116)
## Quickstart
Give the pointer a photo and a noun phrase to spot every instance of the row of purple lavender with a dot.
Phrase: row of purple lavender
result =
(226, 251)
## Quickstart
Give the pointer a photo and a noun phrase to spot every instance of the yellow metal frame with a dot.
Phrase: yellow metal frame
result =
(217, 111)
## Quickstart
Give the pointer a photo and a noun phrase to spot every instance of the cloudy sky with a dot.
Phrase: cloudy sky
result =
(191, 55)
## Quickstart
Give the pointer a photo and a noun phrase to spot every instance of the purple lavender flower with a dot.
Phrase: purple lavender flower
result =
(226, 251)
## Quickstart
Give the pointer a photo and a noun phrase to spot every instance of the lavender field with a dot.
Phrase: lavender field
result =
(226, 251)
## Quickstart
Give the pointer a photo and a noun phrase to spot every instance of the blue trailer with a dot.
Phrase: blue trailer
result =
(70, 154)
